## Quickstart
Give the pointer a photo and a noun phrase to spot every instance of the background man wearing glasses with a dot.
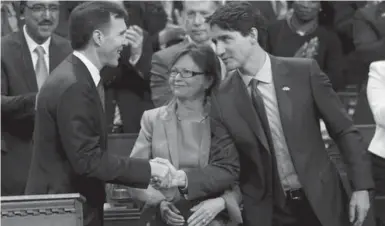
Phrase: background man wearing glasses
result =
(27, 58)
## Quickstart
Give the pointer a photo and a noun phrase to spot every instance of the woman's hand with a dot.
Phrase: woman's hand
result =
(206, 211)
(170, 214)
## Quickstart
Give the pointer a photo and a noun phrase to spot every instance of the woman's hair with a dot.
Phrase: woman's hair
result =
(205, 58)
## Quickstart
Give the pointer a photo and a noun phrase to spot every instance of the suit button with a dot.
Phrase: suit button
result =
(114, 102)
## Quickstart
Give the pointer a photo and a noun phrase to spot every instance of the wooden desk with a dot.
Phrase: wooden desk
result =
(42, 210)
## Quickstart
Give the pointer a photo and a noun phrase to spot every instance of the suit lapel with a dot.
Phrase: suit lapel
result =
(283, 84)
(56, 55)
(204, 154)
(246, 110)
(171, 131)
(28, 69)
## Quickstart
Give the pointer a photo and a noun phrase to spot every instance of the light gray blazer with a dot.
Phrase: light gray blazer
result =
(158, 138)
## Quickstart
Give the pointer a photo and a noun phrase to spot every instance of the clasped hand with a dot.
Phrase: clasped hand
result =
(164, 175)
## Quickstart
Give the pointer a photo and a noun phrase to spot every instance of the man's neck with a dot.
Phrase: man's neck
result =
(254, 63)
(207, 42)
(93, 57)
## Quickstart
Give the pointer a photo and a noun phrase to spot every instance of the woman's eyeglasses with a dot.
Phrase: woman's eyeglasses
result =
(184, 73)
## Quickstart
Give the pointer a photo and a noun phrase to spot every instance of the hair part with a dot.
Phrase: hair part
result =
(90, 16)
(240, 17)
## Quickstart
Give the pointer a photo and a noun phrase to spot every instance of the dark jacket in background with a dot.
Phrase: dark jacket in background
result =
(18, 94)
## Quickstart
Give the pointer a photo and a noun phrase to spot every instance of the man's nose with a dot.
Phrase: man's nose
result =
(220, 50)
(198, 19)
(47, 13)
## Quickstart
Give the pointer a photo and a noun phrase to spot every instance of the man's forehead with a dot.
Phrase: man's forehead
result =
(198, 5)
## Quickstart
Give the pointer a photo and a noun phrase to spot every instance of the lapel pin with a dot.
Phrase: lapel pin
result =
(285, 88)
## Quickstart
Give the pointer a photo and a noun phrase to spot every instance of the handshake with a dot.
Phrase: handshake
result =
(164, 175)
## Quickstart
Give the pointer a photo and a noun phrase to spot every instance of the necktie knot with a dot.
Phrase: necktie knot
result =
(40, 51)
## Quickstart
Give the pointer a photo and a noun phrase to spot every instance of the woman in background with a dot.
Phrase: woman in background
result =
(181, 133)
(376, 93)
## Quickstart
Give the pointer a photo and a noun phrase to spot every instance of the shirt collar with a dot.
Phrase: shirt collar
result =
(264, 74)
(32, 44)
(95, 73)
(212, 45)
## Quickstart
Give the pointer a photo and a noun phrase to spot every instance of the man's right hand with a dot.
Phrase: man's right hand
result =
(171, 32)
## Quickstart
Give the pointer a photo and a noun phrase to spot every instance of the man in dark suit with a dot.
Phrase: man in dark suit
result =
(23, 71)
(70, 152)
(197, 30)
(272, 107)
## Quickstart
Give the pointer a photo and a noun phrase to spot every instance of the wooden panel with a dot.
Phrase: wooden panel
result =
(42, 210)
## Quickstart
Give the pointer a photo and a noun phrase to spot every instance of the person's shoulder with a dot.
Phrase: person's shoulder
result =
(156, 113)
(61, 42)
(8, 41)
(377, 66)
(292, 61)
(170, 51)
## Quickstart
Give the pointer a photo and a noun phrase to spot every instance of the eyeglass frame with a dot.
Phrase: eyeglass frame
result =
(183, 73)
(38, 8)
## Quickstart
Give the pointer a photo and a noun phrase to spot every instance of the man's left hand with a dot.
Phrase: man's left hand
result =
(134, 36)
(359, 207)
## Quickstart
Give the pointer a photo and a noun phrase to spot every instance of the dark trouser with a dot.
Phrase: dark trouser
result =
(378, 170)
(297, 211)
(92, 215)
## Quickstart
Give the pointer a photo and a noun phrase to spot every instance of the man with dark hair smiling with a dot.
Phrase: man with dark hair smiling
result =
(272, 107)
(70, 141)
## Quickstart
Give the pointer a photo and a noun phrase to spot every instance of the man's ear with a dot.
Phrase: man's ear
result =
(98, 37)
(254, 35)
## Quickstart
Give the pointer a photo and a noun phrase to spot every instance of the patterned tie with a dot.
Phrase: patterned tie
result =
(270, 111)
(267, 112)
(41, 67)
(100, 89)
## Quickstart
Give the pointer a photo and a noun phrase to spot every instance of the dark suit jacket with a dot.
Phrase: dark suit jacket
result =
(18, 93)
(128, 86)
(70, 142)
(309, 98)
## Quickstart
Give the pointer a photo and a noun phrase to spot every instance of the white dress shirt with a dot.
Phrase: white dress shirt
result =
(95, 73)
(32, 46)
(376, 93)
(288, 176)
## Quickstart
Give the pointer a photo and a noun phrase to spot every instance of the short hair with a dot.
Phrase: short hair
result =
(241, 17)
(217, 3)
(89, 16)
(205, 57)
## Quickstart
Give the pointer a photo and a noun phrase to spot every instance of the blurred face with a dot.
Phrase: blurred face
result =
(232, 47)
(306, 10)
(41, 19)
(187, 79)
(111, 41)
(195, 15)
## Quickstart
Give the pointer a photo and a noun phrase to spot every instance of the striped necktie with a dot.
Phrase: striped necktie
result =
(41, 66)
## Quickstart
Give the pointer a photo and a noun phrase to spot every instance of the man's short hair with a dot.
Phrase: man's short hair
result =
(238, 16)
(216, 3)
(90, 16)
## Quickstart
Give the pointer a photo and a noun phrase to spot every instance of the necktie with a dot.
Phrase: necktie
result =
(100, 89)
(269, 114)
(117, 118)
(41, 67)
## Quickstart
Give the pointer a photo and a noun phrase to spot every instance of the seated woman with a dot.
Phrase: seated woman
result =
(181, 133)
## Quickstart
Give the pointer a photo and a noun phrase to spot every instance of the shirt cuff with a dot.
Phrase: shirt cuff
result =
(134, 59)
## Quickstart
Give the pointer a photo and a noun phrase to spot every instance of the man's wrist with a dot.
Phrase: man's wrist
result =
(181, 179)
